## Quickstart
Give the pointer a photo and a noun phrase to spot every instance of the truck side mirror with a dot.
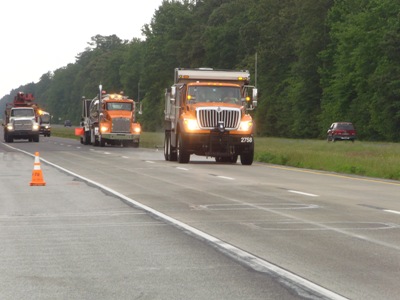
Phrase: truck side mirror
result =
(255, 95)
(140, 108)
(173, 94)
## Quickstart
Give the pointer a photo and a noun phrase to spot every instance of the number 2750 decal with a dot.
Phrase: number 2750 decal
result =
(246, 140)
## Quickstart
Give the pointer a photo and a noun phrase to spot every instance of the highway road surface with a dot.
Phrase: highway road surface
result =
(116, 222)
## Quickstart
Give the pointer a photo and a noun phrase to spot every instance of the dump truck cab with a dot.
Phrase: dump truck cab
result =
(206, 114)
(110, 119)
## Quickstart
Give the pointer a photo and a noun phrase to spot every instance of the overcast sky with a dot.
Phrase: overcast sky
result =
(38, 36)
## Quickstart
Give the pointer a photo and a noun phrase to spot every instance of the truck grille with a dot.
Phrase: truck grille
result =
(22, 125)
(121, 125)
(209, 117)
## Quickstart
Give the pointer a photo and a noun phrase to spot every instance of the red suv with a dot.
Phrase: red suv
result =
(341, 131)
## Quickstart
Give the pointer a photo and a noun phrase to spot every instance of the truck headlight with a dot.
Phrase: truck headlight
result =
(35, 126)
(246, 125)
(104, 128)
(136, 129)
(10, 127)
(191, 124)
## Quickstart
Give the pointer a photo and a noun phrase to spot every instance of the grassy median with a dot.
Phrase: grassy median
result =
(372, 159)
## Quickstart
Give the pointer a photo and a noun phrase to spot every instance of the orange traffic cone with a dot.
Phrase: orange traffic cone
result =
(37, 176)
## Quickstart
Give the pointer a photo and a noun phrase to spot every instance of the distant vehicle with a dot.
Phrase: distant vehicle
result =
(44, 121)
(67, 123)
(340, 131)
(21, 119)
(110, 119)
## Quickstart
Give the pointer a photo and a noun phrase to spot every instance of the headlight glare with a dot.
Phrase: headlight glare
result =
(246, 125)
(191, 124)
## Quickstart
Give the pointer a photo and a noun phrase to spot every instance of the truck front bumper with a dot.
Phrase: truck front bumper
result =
(218, 144)
(121, 136)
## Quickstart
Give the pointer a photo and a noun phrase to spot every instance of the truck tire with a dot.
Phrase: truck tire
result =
(173, 155)
(182, 154)
(247, 158)
(85, 139)
(167, 143)
(8, 138)
(233, 159)
(35, 138)
(169, 150)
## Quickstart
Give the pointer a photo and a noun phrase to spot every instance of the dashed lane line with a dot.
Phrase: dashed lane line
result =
(294, 281)
(302, 193)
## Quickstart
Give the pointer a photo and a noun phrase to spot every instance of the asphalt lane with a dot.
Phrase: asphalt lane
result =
(340, 232)
(71, 240)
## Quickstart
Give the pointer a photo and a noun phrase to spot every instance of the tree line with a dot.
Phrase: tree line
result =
(314, 61)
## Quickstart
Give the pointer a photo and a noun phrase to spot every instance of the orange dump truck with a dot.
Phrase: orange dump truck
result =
(109, 119)
(206, 114)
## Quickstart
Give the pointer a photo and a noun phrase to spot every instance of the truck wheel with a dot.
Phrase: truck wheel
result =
(86, 138)
(173, 155)
(183, 155)
(7, 138)
(35, 138)
(102, 142)
(169, 150)
(233, 159)
(167, 142)
(247, 157)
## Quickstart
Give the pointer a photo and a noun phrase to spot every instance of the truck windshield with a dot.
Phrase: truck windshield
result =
(199, 94)
(119, 106)
(22, 113)
(45, 118)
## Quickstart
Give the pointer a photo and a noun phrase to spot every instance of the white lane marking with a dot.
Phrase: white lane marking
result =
(78, 147)
(183, 169)
(125, 156)
(392, 211)
(235, 253)
(225, 177)
(107, 153)
(302, 193)
(149, 161)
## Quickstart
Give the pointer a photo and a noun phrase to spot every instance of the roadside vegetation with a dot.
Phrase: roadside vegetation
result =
(317, 62)
(371, 159)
